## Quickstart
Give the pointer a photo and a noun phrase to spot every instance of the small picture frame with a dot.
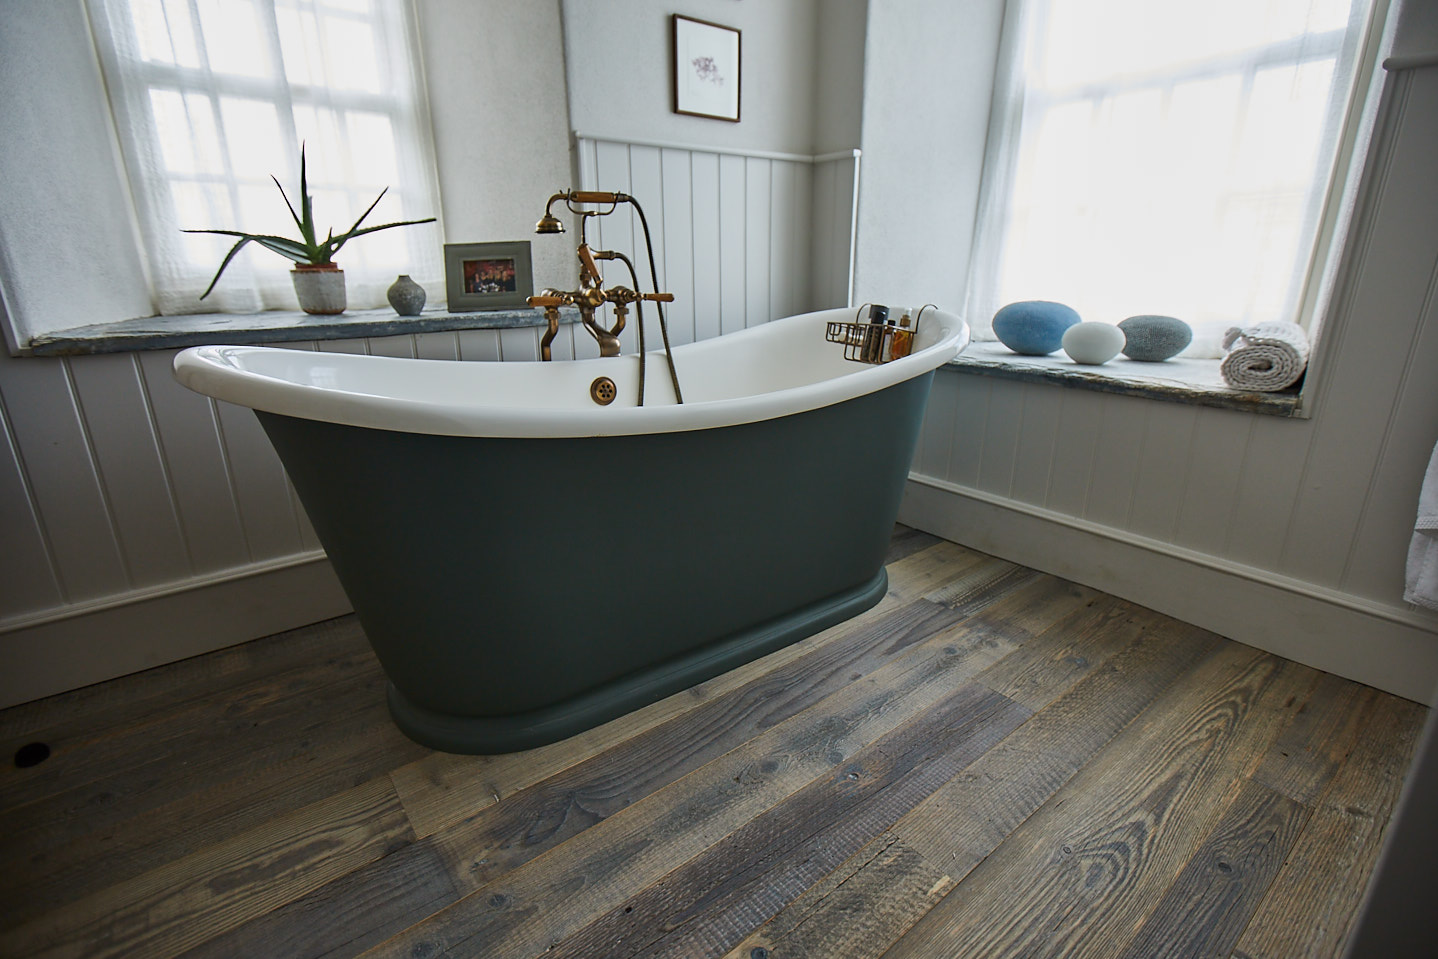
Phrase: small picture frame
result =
(706, 69)
(487, 276)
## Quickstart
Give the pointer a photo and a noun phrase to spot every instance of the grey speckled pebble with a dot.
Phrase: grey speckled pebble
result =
(1152, 339)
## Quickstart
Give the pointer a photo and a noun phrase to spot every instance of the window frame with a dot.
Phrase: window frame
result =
(152, 187)
(1361, 43)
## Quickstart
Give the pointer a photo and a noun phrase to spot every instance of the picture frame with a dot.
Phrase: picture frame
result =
(707, 67)
(487, 276)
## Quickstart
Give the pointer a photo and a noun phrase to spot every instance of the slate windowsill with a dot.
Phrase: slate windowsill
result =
(1179, 380)
(276, 326)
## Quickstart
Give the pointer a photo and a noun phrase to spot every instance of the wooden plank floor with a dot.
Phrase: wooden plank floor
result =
(991, 762)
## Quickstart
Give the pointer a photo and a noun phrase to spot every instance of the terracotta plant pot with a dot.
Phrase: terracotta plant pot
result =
(320, 287)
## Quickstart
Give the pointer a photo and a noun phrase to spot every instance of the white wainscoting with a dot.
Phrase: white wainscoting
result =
(1190, 510)
(141, 523)
(740, 238)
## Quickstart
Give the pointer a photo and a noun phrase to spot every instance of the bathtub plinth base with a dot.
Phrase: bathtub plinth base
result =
(476, 735)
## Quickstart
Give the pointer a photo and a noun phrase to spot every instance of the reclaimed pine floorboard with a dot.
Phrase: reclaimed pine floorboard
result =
(990, 762)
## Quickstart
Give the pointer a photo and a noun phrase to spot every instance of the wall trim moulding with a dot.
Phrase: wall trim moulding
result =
(92, 643)
(1391, 648)
(725, 151)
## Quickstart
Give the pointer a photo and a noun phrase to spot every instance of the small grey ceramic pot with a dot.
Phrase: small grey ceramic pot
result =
(406, 296)
(1153, 339)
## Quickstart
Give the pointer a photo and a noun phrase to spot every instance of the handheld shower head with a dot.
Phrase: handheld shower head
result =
(549, 223)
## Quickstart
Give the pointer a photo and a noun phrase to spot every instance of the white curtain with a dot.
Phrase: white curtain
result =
(1158, 156)
(213, 97)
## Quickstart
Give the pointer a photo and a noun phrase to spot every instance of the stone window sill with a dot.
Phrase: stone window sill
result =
(174, 332)
(1179, 380)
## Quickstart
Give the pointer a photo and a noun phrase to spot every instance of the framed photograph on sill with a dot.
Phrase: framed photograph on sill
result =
(706, 69)
(487, 276)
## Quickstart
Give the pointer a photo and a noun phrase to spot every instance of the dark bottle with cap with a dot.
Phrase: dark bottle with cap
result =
(874, 336)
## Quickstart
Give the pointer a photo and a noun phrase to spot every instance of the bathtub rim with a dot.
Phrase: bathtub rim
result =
(215, 371)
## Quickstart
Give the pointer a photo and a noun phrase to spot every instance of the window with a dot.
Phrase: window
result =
(1166, 157)
(213, 97)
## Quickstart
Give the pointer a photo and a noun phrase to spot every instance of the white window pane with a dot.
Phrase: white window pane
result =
(235, 37)
(350, 6)
(1255, 229)
(165, 32)
(188, 136)
(300, 46)
(1200, 123)
(257, 142)
(203, 206)
(372, 149)
(1171, 158)
(350, 59)
(335, 210)
(232, 88)
(326, 144)
(386, 251)
(1088, 41)
(337, 51)
(263, 210)
(1279, 144)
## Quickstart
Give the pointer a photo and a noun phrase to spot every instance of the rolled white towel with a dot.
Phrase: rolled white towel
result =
(1421, 587)
(1265, 356)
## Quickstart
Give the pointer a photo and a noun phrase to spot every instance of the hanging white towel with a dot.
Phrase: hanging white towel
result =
(1264, 357)
(1422, 586)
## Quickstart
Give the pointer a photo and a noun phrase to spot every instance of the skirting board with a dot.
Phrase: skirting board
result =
(1393, 649)
(93, 645)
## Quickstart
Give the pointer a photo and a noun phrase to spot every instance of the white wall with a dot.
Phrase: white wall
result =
(928, 79)
(503, 153)
(620, 72)
(741, 190)
(839, 99)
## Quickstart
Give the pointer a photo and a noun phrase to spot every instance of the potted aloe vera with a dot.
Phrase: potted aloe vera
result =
(319, 283)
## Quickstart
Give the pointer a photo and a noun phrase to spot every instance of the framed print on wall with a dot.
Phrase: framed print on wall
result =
(706, 69)
(487, 276)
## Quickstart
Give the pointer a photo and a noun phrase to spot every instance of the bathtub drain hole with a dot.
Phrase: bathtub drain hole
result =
(603, 391)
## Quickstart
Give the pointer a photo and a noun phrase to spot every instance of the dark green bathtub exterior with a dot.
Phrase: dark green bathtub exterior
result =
(518, 591)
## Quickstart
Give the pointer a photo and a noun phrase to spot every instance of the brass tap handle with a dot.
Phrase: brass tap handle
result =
(595, 196)
(586, 259)
(658, 297)
(549, 300)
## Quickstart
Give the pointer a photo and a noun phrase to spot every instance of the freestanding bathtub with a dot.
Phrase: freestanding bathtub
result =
(528, 564)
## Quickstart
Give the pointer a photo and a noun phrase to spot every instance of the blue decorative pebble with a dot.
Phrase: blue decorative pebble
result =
(1153, 339)
(1033, 327)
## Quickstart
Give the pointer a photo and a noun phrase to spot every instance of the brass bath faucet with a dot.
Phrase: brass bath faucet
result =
(592, 295)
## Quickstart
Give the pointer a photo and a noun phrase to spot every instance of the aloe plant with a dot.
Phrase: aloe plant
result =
(307, 249)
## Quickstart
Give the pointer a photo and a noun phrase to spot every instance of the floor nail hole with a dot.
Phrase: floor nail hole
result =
(31, 754)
